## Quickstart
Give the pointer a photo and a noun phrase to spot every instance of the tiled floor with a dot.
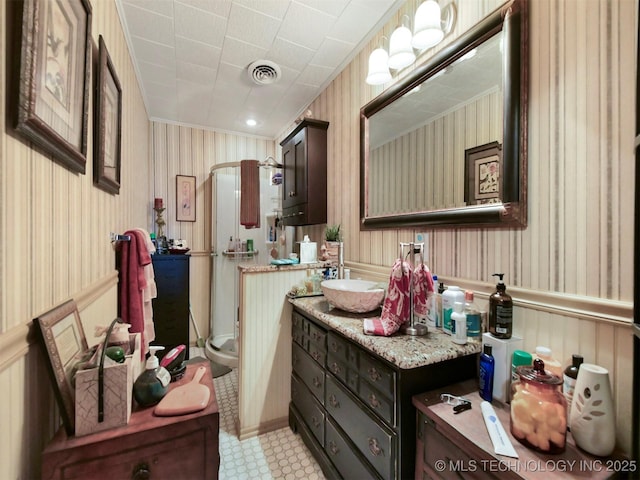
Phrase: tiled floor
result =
(275, 455)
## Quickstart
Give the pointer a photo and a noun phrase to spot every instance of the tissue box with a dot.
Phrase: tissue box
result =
(502, 351)
(118, 393)
(308, 252)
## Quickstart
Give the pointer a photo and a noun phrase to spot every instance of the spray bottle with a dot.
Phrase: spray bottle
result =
(153, 383)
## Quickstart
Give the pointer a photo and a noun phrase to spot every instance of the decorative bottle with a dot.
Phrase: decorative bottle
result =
(500, 311)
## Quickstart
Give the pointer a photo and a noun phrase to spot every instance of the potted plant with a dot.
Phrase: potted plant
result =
(332, 244)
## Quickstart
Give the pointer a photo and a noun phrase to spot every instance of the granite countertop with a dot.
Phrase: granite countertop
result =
(260, 268)
(404, 351)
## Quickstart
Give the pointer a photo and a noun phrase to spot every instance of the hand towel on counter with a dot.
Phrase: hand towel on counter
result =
(396, 307)
(134, 256)
(149, 292)
(249, 194)
(423, 288)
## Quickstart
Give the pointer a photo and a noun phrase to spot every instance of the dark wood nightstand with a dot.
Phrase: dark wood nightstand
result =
(148, 447)
(450, 445)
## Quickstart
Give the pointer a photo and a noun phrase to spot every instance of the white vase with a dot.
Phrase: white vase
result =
(592, 414)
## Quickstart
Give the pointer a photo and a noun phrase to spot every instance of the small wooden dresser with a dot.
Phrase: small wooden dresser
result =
(149, 447)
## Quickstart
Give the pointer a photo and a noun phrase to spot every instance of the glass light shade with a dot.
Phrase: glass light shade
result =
(427, 26)
(378, 68)
(400, 50)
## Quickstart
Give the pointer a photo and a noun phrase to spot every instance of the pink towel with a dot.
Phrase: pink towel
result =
(396, 307)
(134, 257)
(249, 194)
(423, 288)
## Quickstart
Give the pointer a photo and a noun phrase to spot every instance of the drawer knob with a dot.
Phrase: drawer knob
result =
(315, 355)
(334, 401)
(374, 447)
(334, 346)
(316, 382)
(374, 375)
(141, 472)
(315, 421)
(335, 368)
(373, 401)
(333, 448)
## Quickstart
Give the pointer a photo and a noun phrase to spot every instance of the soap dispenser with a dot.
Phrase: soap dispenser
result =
(500, 310)
(153, 383)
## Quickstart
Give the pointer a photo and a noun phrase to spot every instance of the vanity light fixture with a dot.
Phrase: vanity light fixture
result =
(400, 50)
(429, 29)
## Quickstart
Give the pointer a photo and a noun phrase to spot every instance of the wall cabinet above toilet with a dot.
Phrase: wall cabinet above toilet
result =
(304, 160)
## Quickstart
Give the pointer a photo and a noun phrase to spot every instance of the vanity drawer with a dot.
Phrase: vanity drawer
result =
(341, 348)
(382, 377)
(317, 336)
(309, 408)
(377, 402)
(376, 443)
(337, 366)
(343, 456)
(309, 372)
(317, 353)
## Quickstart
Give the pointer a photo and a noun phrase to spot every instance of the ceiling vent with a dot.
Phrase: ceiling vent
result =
(264, 72)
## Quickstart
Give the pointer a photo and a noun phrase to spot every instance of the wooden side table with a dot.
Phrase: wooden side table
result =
(148, 447)
(453, 445)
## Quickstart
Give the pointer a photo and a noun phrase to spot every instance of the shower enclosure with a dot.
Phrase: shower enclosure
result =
(222, 344)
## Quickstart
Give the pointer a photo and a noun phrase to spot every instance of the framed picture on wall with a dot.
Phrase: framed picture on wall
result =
(62, 338)
(108, 124)
(185, 198)
(55, 60)
(482, 168)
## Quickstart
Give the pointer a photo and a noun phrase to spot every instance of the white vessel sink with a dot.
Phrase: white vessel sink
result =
(357, 296)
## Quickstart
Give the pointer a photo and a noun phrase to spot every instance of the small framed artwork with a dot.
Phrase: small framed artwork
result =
(483, 165)
(55, 63)
(185, 198)
(63, 340)
(108, 124)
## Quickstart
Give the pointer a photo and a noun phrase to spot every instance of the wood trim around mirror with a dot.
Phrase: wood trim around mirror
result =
(512, 19)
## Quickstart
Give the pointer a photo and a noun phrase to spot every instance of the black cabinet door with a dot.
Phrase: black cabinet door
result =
(171, 307)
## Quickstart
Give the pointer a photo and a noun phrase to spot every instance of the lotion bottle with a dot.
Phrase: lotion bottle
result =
(500, 311)
(459, 318)
(152, 384)
(487, 366)
(570, 377)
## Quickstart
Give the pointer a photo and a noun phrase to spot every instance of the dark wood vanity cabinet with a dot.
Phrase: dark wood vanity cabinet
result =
(171, 307)
(353, 408)
(304, 160)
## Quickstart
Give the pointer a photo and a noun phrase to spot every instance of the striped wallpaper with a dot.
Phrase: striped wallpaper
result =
(570, 270)
(54, 241)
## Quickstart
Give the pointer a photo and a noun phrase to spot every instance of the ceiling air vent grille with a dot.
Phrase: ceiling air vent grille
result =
(264, 72)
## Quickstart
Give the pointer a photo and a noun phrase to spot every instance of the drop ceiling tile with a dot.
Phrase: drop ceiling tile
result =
(305, 26)
(163, 107)
(157, 74)
(199, 25)
(355, 22)
(289, 54)
(273, 8)
(149, 25)
(251, 26)
(218, 7)
(331, 7)
(196, 73)
(314, 75)
(241, 54)
(332, 52)
(152, 52)
(161, 7)
(197, 53)
(158, 90)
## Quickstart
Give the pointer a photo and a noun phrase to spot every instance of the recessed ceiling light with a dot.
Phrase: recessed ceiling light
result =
(251, 122)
